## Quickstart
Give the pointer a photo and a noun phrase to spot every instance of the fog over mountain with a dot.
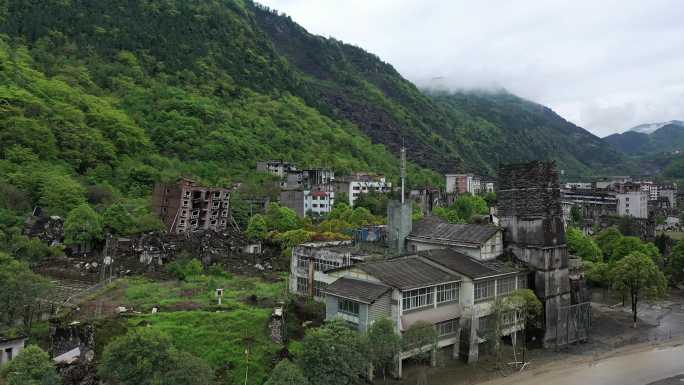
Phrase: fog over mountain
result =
(603, 65)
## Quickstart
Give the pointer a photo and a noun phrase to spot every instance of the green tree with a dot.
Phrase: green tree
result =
(361, 216)
(383, 345)
(675, 265)
(528, 310)
(117, 220)
(281, 218)
(83, 226)
(147, 357)
(341, 211)
(598, 273)
(638, 275)
(20, 291)
(257, 227)
(575, 215)
(32, 366)
(447, 214)
(582, 245)
(606, 239)
(333, 355)
(287, 373)
(60, 194)
(626, 245)
(422, 336)
(466, 206)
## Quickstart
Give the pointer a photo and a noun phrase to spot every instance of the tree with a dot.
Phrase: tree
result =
(287, 373)
(575, 214)
(20, 291)
(32, 366)
(626, 245)
(361, 216)
(605, 240)
(281, 218)
(490, 198)
(59, 194)
(147, 357)
(528, 309)
(676, 263)
(422, 336)
(257, 227)
(332, 355)
(637, 274)
(447, 214)
(467, 205)
(383, 345)
(582, 245)
(83, 226)
(117, 220)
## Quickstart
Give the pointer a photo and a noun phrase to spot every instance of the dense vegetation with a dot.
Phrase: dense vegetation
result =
(100, 100)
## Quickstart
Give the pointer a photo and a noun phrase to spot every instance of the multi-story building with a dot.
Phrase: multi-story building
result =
(633, 203)
(310, 262)
(448, 289)
(185, 206)
(278, 168)
(307, 202)
(578, 186)
(592, 203)
(669, 192)
(362, 183)
(468, 183)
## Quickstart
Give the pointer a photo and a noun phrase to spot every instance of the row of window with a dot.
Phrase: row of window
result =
(303, 287)
(484, 290)
(414, 299)
(319, 264)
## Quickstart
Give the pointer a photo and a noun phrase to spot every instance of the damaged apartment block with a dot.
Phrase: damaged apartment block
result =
(185, 206)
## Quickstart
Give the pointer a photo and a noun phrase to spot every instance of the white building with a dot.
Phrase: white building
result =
(10, 347)
(633, 203)
(362, 183)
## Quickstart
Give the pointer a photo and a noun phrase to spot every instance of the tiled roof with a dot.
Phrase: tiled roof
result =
(406, 272)
(363, 291)
(468, 266)
(432, 228)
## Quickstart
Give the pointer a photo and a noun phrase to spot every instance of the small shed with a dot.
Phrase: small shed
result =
(10, 347)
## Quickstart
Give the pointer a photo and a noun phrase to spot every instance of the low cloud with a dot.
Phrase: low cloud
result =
(605, 65)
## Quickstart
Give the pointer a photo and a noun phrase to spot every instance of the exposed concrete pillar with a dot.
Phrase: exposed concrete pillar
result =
(473, 345)
(457, 345)
(433, 357)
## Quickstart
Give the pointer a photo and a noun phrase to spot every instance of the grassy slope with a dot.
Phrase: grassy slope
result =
(217, 334)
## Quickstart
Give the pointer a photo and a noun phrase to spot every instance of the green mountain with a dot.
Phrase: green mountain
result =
(667, 137)
(112, 96)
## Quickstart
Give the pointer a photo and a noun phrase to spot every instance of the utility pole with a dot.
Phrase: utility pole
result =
(403, 172)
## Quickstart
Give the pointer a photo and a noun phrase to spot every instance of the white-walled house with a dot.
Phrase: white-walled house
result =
(446, 288)
(10, 347)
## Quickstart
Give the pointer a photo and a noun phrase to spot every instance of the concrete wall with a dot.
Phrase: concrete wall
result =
(399, 224)
(15, 346)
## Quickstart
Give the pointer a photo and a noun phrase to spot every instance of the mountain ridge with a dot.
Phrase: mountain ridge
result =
(666, 137)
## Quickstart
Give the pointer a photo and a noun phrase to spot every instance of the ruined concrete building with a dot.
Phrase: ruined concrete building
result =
(530, 211)
(185, 206)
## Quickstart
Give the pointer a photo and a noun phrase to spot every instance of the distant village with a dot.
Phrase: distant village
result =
(452, 276)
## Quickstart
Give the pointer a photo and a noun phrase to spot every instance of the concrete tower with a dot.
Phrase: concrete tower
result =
(530, 212)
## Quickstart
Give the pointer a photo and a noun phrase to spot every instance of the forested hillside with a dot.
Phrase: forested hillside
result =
(669, 137)
(100, 99)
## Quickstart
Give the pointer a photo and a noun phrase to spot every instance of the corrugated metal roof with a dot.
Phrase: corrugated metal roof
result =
(433, 228)
(407, 272)
(355, 289)
(468, 266)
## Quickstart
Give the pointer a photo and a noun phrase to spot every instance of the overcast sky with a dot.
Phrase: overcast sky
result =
(605, 65)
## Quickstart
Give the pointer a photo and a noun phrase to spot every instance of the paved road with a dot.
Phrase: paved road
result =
(638, 368)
